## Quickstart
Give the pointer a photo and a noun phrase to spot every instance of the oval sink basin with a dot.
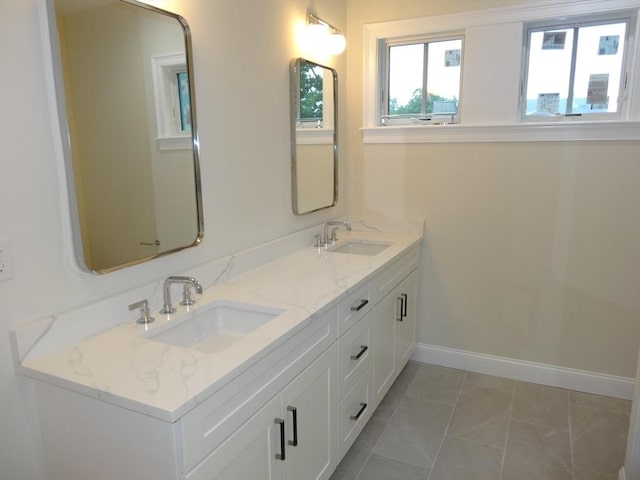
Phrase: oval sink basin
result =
(215, 327)
(360, 247)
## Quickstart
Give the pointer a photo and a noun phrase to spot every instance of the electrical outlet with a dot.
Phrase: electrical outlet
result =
(6, 263)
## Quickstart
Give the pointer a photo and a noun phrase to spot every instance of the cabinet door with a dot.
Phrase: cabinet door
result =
(309, 409)
(250, 453)
(385, 317)
(406, 328)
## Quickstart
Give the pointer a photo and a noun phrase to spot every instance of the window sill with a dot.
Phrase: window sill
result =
(524, 132)
(314, 136)
(175, 143)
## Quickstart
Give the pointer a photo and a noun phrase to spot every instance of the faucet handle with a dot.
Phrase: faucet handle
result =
(334, 236)
(317, 241)
(187, 298)
(145, 316)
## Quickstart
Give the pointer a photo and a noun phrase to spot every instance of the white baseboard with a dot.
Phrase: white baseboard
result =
(580, 380)
(621, 475)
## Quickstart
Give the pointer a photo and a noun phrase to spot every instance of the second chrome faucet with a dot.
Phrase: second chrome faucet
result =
(188, 282)
(331, 238)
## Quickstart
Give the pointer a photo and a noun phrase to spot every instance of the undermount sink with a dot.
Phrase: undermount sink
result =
(360, 247)
(214, 328)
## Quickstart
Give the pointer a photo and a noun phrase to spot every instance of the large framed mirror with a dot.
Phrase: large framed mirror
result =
(123, 74)
(314, 146)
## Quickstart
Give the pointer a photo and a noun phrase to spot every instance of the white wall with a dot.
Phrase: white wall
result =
(242, 51)
(532, 249)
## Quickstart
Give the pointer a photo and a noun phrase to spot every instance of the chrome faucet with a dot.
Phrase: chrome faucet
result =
(167, 308)
(332, 239)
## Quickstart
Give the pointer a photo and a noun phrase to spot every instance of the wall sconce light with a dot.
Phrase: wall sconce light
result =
(324, 37)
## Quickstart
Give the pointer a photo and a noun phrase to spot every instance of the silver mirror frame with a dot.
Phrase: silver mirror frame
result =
(294, 83)
(60, 102)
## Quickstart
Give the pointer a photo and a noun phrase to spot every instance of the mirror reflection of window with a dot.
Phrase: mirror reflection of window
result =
(184, 103)
(172, 100)
(313, 137)
(311, 96)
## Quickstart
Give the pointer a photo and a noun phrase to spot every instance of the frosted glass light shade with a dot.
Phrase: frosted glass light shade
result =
(321, 38)
(336, 43)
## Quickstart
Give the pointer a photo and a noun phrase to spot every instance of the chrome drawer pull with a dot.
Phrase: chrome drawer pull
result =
(280, 456)
(363, 407)
(364, 348)
(360, 306)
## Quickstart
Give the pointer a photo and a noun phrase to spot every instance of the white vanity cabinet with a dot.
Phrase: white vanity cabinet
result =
(394, 320)
(290, 438)
(230, 435)
(291, 415)
(355, 398)
(376, 348)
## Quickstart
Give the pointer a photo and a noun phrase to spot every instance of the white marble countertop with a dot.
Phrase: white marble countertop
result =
(122, 367)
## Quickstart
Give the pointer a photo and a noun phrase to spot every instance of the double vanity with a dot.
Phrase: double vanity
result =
(290, 346)
(273, 372)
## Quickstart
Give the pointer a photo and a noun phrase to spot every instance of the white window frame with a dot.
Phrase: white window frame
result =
(164, 69)
(501, 93)
(384, 60)
(625, 16)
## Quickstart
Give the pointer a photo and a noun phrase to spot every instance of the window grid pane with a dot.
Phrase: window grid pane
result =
(432, 68)
(575, 69)
(598, 68)
(405, 79)
(443, 76)
(550, 56)
(183, 101)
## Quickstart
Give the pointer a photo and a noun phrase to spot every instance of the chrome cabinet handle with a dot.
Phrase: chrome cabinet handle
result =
(281, 455)
(363, 407)
(360, 306)
(294, 411)
(404, 305)
(363, 348)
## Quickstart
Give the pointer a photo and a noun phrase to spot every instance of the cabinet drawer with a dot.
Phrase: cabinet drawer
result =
(355, 306)
(395, 273)
(354, 354)
(354, 412)
(248, 453)
(211, 422)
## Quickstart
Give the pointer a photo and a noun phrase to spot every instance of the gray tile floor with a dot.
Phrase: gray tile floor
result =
(439, 423)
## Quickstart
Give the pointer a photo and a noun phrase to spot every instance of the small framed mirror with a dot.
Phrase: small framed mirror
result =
(123, 74)
(314, 147)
